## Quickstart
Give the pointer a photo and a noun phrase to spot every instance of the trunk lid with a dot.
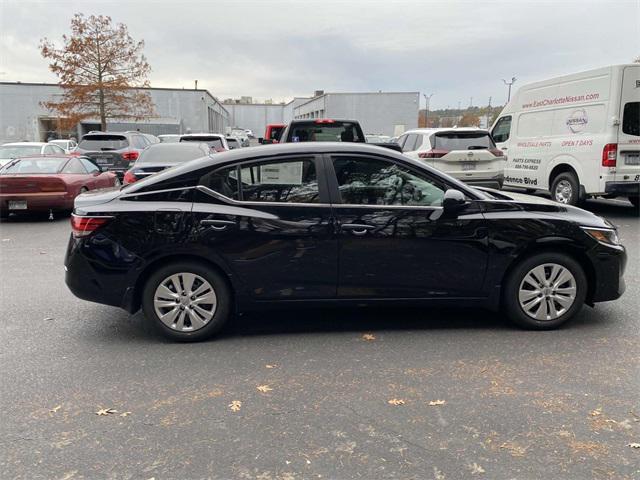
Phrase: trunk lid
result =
(96, 197)
(36, 183)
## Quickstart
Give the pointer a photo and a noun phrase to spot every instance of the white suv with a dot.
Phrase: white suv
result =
(468, 154)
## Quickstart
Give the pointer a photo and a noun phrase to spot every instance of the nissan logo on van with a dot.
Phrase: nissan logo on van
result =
(577, 120)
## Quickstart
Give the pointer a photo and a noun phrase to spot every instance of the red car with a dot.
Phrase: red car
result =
(272, 133)
(43, 183)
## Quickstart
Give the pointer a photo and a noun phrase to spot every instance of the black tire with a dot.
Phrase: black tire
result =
(570, 195)
(221, 311)
(4, 214)
(635, 201)
(511, 289)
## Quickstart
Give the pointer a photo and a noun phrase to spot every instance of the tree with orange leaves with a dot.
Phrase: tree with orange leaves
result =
(100, 69)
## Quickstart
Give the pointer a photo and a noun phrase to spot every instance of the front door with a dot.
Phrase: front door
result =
(394, 241)
(272, 229)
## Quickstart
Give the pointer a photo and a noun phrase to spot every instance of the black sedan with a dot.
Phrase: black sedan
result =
(332, 224)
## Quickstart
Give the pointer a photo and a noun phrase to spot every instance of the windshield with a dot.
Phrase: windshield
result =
(325, 132)
(35, 166)
(170, 154)
(275, 132)
(16, 151)
(463, 141)
(213, 142)
(103, 142)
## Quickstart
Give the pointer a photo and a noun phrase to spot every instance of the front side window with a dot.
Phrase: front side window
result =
(502, 129)
(369, 181)
(91, 167)
(631, 119)
(74, 166)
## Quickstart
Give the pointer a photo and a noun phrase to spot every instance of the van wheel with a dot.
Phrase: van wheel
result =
(566, 189)
(544, 291)
(186, 301)
(635, 201)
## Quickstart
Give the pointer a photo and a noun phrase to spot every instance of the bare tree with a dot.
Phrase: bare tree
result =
(99, 67)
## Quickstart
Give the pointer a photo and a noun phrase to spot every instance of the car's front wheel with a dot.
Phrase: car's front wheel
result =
(544, 291)
(187, 301)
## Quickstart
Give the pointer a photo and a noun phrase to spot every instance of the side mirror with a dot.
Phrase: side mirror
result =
(453, 202)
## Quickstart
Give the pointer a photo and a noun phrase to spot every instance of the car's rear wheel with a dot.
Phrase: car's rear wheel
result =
(544, 291)
(635, 201)
(187, 301)
(566, 189)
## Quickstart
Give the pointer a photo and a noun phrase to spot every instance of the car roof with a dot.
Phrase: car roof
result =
(196, 135)
(446, 129)
(17, 144)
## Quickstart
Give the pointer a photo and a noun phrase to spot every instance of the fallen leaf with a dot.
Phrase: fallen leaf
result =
(475, 468)
(125, 414)
(106, 411)
(396, 401)
(43, 253)
(6, 239)
(235, 405)
(270, 366)
(434, 403)
(596, 412)
(264, 388)
(47, 319)
(634, 445)
(55, 409)
(369, 337)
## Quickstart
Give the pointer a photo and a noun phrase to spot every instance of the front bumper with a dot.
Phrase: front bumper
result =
(622, 189)
(609, 264)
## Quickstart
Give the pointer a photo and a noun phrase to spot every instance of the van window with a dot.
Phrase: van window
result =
(501, 131)
(631, 119)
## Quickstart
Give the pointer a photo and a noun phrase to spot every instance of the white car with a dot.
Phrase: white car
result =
(234, 142)
(169, 138)
(67, 145)
(216, 141)
(468, 154)
(376, 138)
(249, 133)
(10, 151)
(241, 135)
(576, 136)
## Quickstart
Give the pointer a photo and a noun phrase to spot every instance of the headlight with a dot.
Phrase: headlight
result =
(602, 235)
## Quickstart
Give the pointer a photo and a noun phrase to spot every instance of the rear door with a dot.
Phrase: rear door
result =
(394, 241)
(628, 162)
(273, 229)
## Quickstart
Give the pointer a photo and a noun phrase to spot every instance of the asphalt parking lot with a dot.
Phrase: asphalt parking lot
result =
(403, 394)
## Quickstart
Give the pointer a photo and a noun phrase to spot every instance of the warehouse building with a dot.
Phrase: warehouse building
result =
(22, 116)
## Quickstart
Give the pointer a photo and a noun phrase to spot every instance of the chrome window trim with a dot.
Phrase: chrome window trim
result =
(226, 199)
(135, 194)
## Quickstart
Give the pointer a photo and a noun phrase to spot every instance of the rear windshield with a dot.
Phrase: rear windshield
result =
(169, 138)
(325, 132)
(462, 141)
(170, 154)
(631, 119)
(16, 151)
(103, 142)
(213, 142)
(35, 165)
(275, 133)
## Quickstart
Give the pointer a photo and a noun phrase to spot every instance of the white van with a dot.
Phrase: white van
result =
(576, 136)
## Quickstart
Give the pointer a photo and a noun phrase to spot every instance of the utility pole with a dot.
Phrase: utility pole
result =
(426, 112)
(513, 80)
(196, 87)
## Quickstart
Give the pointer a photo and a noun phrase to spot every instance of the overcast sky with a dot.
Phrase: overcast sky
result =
(280, 49)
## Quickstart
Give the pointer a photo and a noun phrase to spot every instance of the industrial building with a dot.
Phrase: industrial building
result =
(22, 116)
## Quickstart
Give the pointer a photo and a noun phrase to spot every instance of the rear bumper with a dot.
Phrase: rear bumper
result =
(38, 201)
(609, 264)
(626, 189)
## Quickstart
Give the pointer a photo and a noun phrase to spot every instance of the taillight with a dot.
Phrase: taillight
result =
(496, 152)
(325, 120)
(433, 154)
(83, 226)
(131, 156)
(74, 153)
(129, 177)
(609, 155)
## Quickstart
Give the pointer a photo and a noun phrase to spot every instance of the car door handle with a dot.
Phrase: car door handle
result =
(357, 228)
(217, 224)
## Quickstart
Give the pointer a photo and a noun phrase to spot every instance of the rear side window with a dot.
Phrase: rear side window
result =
(631, 119)
(325, 132)
(410, 143)
(275, 132)
(89, 165)
(462, 141)
(103, 142)
(74, 166)
(139, 141)
(502, 129)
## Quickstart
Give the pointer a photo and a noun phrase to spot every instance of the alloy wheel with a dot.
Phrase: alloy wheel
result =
(185, 302)
(563, 192)
(547, 291)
